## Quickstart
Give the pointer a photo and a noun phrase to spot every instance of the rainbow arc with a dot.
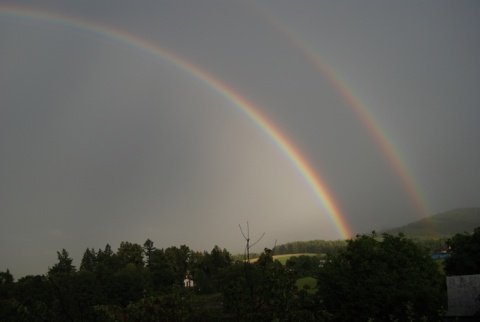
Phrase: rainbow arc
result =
(363, 114)
(312, 178)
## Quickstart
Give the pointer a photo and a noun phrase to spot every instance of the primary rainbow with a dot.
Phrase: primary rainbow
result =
(362, 112)
(267, 127)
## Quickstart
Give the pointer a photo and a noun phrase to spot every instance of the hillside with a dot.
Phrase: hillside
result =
(432, 232)
(445, 224)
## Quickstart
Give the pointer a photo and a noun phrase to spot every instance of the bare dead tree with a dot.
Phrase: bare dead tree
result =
(254, 306)
(247, 238)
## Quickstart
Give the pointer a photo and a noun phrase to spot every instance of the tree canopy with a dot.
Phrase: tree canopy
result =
(381, 278)
(465, 258)
(369, 277)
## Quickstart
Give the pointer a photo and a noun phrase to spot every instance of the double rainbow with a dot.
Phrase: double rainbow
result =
(366, 117)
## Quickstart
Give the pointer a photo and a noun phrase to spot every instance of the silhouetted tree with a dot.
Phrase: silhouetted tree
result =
(304, 265)
(130, 253)
(64, 264)
(381, 279)
(148, 250)
(89, 260)
(465, 258)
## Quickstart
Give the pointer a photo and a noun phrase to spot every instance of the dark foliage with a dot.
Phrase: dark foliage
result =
(465, 249)
(383, 280)
(312, 246)
(365, 278)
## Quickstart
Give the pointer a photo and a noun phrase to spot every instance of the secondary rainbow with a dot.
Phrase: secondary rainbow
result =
(379, 134)
(312, 178)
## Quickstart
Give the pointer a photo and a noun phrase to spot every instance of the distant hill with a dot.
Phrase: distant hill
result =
(445, 224)
(430, 232)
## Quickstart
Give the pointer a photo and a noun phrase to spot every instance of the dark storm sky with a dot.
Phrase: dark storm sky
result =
(103, 142)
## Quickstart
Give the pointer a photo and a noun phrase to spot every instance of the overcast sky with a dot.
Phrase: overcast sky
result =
(103, 142)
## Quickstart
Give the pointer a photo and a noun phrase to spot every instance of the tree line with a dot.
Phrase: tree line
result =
(336, 246)
(376, 278)
(312, 246)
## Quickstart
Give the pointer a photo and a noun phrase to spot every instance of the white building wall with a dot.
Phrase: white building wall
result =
(462, 292)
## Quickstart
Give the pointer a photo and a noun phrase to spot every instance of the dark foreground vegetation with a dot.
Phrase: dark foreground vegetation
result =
(373, 278)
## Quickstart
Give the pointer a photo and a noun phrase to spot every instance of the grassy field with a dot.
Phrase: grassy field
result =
(283, 258)
(307, 283)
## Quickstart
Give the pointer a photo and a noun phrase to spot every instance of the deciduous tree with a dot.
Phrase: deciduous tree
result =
(130, 253)
(381, 279)
(465, 258)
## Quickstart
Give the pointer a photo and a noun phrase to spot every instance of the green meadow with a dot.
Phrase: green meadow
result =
(284, 257)
(307, 283)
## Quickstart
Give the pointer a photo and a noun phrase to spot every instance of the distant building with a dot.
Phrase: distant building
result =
(463, 292)
(187, 282)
